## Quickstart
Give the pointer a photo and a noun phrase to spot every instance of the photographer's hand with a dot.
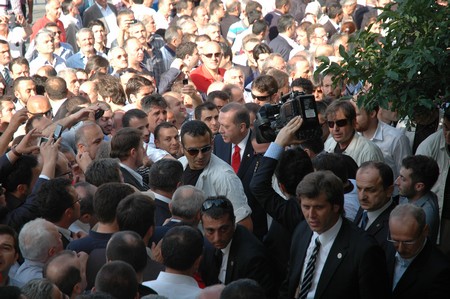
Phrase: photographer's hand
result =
(286, 136)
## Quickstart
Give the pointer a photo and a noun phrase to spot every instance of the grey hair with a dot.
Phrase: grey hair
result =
(187, 201)
(84, 30)
(35, 240)
(38, 288)
(409, 210)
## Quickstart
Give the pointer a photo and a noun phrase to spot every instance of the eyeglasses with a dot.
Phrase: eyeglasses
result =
(194, 151)
(210, 55)
(261, 98)
(404, 243)
(216, 202)
(75, 202)
(340, 123)
(47, 113)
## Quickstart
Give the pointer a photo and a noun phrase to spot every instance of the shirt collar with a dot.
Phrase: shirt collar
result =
(374, 214)
(329, 235)
(136, 175)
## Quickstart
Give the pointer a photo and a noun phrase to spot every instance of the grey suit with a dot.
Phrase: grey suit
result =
(281, 46)
(94, 13)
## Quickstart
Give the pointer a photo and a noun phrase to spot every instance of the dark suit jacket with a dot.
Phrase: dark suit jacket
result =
(428, 276)
(355, 266)
(130, 179)
(94, 13)
(245, 173)
(247, 259)
(162, 212)
(281, 46)
(272, 20)
(379, 229)
(330, 29)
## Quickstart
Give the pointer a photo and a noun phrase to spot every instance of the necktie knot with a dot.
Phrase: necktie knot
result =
(364, 220)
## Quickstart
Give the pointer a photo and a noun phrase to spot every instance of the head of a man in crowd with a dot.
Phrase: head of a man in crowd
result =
(88, 138)
(209, 114)
(45, 42)
(85, 41)
(167, 138)
(9, 253)
(19, 67)
(39, 105)
(156, 108)
(265, 90)
(53, 10)
(341, 119)
(196, 139)
(211, 55)
(118, 58)
(375, 185)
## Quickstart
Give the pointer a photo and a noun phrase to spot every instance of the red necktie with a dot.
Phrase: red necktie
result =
(236, 158)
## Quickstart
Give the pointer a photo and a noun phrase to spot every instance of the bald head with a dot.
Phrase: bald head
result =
(38, 105)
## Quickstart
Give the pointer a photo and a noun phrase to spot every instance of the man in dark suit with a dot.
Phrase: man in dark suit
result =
(335, 14)
(417, 269)
(234, 146)
(164, 178)
(100, 10)
(232, 252)
(283, 42)
(375, 183)
(330, 256)
(282, 7)
(127, 146)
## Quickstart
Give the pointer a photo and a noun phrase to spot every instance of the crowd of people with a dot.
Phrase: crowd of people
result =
(131, 165)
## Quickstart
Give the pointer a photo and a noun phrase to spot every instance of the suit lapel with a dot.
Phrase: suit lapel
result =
(335, 257)
(247, 157)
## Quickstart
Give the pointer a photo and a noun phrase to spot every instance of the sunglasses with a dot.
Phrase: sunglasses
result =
(210, 55)
(340, 123)
(216, 202)
(261, 98)
(194, 151)
(47, 113)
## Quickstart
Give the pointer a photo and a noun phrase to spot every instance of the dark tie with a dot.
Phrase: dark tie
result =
(364, 220)
(218, 256)
(6, 76)
(236, 158)
(309, 273)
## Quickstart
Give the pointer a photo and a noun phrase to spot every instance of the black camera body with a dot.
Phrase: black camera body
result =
(271, 118)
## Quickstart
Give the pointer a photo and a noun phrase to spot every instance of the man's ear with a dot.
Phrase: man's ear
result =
(419, 187)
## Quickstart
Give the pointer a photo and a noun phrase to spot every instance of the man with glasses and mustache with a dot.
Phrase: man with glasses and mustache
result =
(208, 172)
(209, 71)
(341, 119)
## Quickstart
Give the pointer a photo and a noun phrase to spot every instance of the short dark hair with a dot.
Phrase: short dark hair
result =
(217, 94)
(165, 174)
(204, 106)
(21, 173)
(123, 141)
(129, 247)
(118, 279)
(292, 167)
(7, 230)
(285, 22)
(153, 100)
(130, 114)
(243, 288)
(332, 162)
(184, 49)
(259, 26)
(102, 171)
(86, 202)
(136, 212)
(305, 84)
(265, 83)
(347, 109)
(54, 198)
(135, 83)
(163, 125)
(385, 171)
(214, 5)
(96, 22)
(424, 170)
(181, 247)
(107, 198)
(68, 275)
(195, 128)
(109, 86)
(95, 63)
(219, 207)
(261, 49)
(323, 181)
(19, 61)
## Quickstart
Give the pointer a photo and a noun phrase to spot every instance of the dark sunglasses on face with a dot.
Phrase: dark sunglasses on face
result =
(217, 202)
(216, 55)
(194, 151)
(340, 123)
(261, 98)
(47, 113)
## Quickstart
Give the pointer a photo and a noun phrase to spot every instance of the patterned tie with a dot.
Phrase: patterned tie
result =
(364, 220)
(309, 273)
(6, 76)
(236, 158)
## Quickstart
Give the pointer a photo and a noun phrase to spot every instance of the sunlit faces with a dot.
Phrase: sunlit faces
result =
(20, 70)
(202, 158)
(53, 10)
(211, 55)
(261, 59)
(89, 90)
(8, 110)
(248, 49)
(220, 231)
(202, 17)
(142, 125)
(135, 51)
(231, 132)
(45, 44)
(106, 122)
(234, 76)
(144, 91)
(262, 98)
(211, 119)
(99, 34)
(168, 140)
(119, 59)
(341, 134)
(73, 85)
(319, 213)
(327, 88)
(371, 193)
(138, 31)
(156, 116)
(320, 37)
(302, 70)
(213, 32)
(85, 41)
(25, 89)
(93, 137)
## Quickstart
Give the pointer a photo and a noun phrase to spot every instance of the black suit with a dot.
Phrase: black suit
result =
(428, 276)
(247, 259)
(379, 228)
(330, 29)
(280, 45)
(130, 179)
(355, 266)
(162, 211)
(245, 174)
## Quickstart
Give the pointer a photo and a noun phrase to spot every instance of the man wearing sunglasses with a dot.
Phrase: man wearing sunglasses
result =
(417, 269)
(265, 90)
(341, 119)
(209, 71)
(208, 172)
